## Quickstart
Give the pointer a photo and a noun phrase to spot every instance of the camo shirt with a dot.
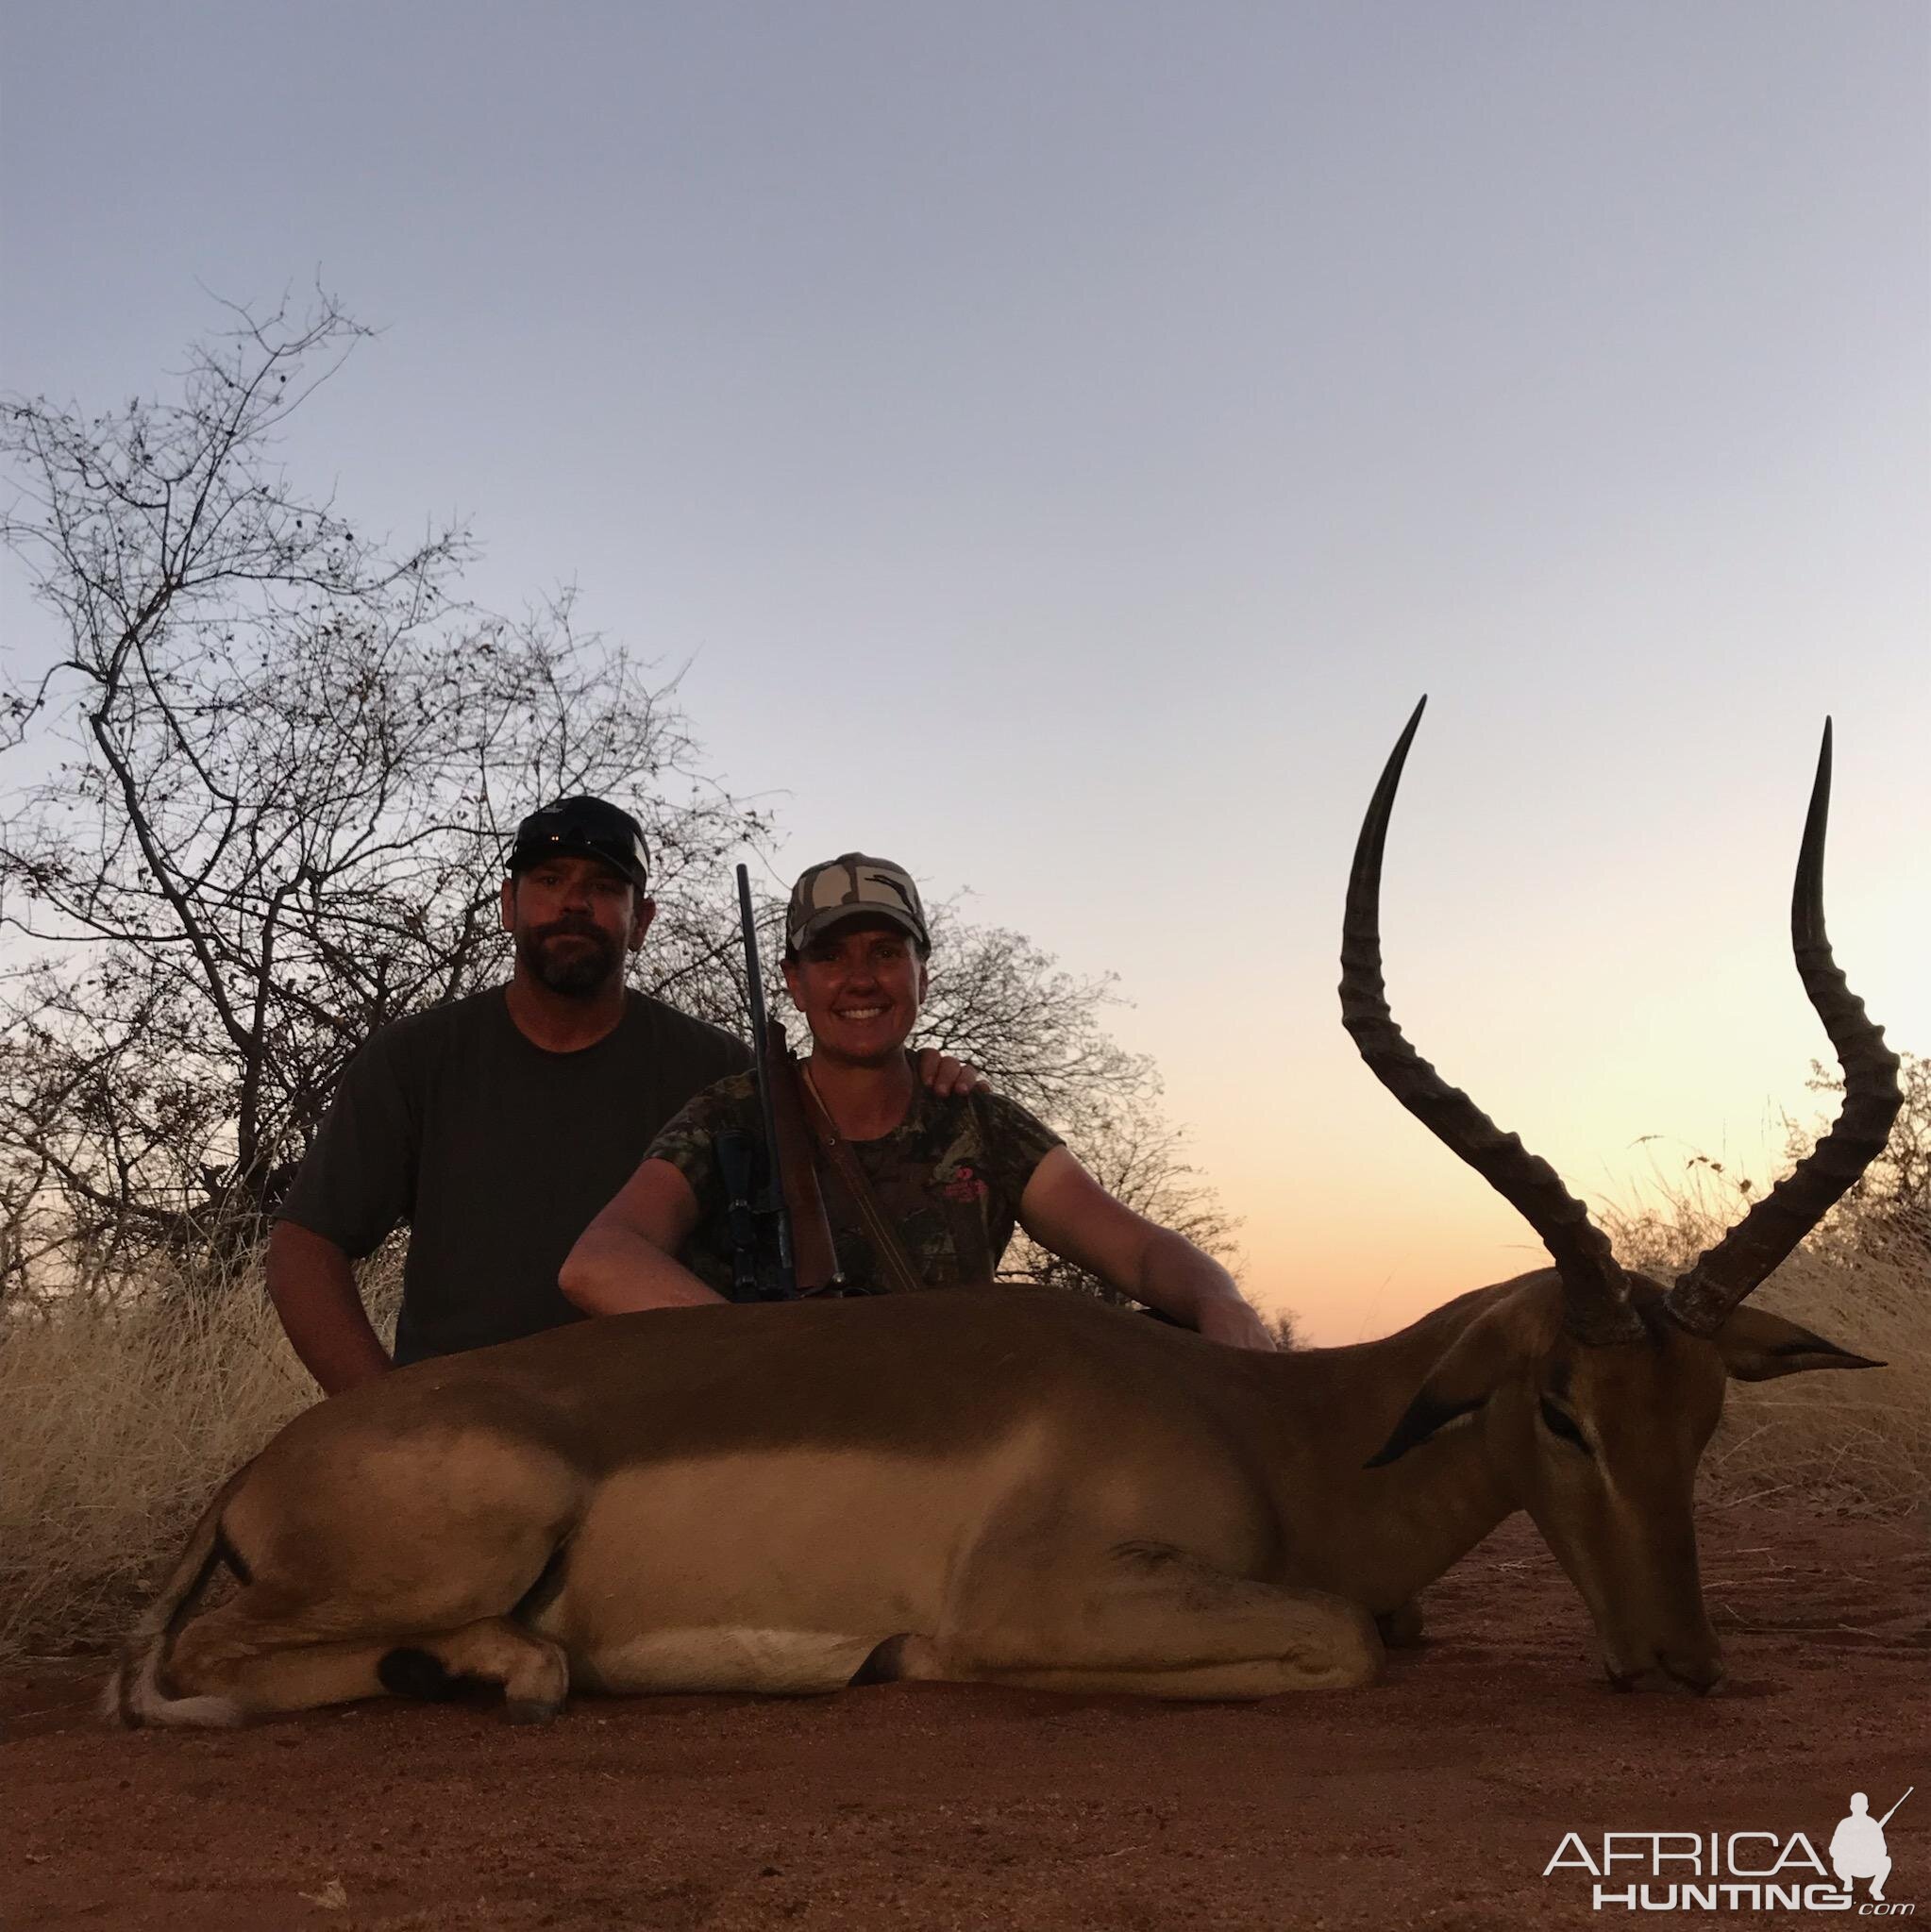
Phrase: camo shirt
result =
(950, 1176)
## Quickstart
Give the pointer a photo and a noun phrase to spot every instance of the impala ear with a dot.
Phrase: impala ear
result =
(1458, 1385)
(1757, 1346)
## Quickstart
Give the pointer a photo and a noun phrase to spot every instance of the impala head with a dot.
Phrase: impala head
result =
(1597, 1389)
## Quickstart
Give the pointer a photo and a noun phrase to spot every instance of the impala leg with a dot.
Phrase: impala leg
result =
(264, 1666)
(1159, 1624)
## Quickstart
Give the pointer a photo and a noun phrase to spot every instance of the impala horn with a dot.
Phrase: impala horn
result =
(1595, 1295)
(1724, 1275)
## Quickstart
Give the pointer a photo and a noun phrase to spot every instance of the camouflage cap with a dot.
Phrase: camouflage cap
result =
(847, 885)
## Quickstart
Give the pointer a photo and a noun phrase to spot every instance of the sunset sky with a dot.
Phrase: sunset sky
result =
(1065, 439)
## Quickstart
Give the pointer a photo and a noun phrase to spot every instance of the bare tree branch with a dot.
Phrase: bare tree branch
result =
(291, 760)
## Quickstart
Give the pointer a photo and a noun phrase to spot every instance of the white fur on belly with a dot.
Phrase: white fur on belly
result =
(728, 1659)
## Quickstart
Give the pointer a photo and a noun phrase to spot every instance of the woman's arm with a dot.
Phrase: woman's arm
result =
(625, 1259)
(1064, 1208)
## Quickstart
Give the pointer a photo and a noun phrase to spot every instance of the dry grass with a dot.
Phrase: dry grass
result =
(1857, 1441)
(119, 1426)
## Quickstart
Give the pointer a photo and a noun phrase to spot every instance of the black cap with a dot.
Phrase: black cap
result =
(592, 828)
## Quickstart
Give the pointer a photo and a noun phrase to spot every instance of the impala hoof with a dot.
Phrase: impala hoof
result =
(1665, 1676)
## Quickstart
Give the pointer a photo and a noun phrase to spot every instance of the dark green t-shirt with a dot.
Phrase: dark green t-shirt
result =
(496, 1152)
(950, 1176)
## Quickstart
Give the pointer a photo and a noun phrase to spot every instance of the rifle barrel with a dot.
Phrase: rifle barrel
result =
(761, 1048)
(754, 977)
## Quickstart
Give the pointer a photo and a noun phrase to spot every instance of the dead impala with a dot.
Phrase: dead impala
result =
(1012, 1488)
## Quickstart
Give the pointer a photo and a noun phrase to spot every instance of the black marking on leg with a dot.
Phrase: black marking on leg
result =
(232, 1556)
(408, 1672)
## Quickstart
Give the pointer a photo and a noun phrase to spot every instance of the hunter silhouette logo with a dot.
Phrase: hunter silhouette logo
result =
(1856, 1846)
(1739, 1870)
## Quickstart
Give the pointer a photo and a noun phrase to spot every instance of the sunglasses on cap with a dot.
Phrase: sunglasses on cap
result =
(583, 826)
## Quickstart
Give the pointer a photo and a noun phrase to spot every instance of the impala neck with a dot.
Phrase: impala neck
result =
(1377, 1536)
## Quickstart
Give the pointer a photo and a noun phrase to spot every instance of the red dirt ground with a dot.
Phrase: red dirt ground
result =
(1432, 1801)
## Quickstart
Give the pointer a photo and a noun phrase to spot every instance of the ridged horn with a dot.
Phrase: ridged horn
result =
(1596, 1308)
(1723, 1276)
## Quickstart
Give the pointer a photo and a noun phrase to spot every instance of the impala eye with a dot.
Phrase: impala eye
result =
(1558, 1423)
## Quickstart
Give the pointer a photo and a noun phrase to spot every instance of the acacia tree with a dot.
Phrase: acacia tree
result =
(284, 762)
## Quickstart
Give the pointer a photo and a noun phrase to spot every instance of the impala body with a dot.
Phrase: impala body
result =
(1012, 1486)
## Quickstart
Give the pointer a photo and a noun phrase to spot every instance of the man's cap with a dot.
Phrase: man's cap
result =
(583, 826)
(847, 885)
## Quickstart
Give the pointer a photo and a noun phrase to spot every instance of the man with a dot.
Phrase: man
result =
(949, 1177)
(497, 1125)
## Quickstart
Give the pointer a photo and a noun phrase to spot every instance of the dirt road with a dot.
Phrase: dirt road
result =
(1434, 1800)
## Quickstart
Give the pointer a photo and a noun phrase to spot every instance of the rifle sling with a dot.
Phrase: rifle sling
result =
(814, 1260)
(901, 1276)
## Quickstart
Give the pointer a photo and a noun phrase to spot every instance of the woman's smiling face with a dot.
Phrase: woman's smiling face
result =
(860, 987)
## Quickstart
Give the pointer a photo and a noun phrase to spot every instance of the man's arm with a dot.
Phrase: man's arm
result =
(1064, 1208)
(313, 1289)
(354, 1185)
(625, 1259)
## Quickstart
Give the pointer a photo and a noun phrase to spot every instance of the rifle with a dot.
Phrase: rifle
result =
(790, 1197)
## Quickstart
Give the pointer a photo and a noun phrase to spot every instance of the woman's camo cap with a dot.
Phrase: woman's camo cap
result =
(849, 885)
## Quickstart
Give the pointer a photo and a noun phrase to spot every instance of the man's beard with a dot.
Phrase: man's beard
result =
(576, 972)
